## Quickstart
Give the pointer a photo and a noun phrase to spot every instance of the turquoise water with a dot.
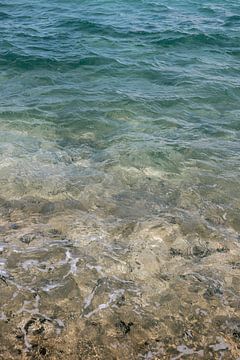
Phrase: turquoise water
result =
(119, 138)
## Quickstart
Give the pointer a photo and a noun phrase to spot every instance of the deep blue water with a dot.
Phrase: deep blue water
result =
(128, 111)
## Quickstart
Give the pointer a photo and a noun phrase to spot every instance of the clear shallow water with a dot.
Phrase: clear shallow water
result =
(119, 173)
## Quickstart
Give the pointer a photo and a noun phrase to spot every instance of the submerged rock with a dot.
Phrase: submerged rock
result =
(28, 238)
(124, 327)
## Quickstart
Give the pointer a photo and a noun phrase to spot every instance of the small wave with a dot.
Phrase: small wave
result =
(88, 26)
(29, 62)
(207, 10)
(199, 39)
(4, 15)
(114, 31)
(233, 20)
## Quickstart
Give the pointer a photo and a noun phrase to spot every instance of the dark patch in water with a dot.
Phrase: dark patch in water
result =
(28, 238)
(124, 327)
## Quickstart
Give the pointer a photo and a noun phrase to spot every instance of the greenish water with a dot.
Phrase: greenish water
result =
(119, 178)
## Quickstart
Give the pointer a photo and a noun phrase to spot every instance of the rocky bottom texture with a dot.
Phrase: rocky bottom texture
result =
(77, 285)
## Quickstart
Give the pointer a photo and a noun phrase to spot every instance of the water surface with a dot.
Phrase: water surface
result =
(119, 178)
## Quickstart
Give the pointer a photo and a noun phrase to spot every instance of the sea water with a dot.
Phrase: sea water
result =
(119, 179)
